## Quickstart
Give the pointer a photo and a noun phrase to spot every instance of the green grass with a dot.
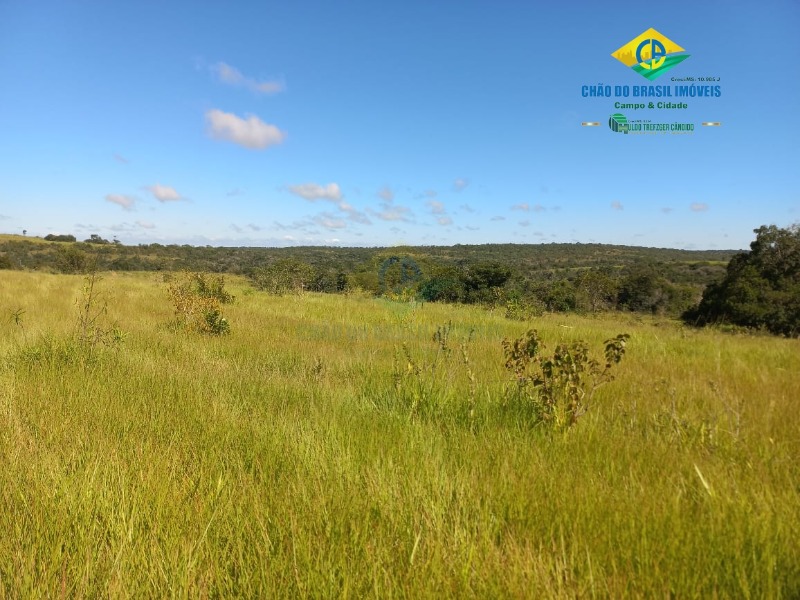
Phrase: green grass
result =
(281, 460)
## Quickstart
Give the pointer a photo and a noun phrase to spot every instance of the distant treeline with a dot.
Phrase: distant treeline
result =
(524, 278)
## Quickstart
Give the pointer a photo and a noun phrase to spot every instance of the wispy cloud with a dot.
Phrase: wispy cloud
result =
(616, 205)
(460, 184)
(666, 210)
(234, 192)
(146, 224)
(294, 226)
(524, 223)
(497, 218)
(523, 206)
(125, 202)
(354, 215)
(386, 194)
(391, 212)
(329, 221)
(698, 207)
(121, 159)
(164, 193)
(466, 208)
(444, 220)
(437, 208)
(232, 76)
(253, 227)
(314, 191)
(251, 132)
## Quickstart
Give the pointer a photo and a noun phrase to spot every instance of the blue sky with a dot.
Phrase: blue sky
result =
(380, 123)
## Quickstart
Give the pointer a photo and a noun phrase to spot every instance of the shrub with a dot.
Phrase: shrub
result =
(557, 390)
(198, 300)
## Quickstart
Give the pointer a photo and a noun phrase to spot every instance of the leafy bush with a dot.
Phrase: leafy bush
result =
(557, 390)
(198, 300)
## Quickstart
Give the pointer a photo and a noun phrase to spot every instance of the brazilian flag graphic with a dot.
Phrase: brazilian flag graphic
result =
(650, 54)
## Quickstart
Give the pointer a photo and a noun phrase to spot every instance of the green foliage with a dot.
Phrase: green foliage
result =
(5, 262)
(761, 288)
(52, 237)
(198, 300)
(71, 259)
(480, 280)
(596, 290)
(283, 277)
(445, 284)
(558, 389)
(523, 309)
(96, 239)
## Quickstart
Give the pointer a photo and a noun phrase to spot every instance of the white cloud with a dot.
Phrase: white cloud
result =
(616, 205)
(251, 132)
(437, 208)
(460, 184)
(164, 193)
(539, 208)
(146, 224)
(524, 206)
(444, 220)
(232, 76)
(125, 202)
(524, 223)
(699, 207)
(497, 218)
(314, 191)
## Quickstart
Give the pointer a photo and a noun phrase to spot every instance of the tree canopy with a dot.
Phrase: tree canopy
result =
(761, 288)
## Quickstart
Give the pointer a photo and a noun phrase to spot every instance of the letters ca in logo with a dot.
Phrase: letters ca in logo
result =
(650, 54)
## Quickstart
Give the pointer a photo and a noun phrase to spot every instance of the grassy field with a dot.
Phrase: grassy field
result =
(305, 455)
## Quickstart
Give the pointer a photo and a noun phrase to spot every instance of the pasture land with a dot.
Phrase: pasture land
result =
(308, 454)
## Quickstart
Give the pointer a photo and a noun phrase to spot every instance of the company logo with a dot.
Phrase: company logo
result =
(650, 54)
(618, 123)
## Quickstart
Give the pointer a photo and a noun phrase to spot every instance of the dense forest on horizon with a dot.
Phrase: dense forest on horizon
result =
(529, 278)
